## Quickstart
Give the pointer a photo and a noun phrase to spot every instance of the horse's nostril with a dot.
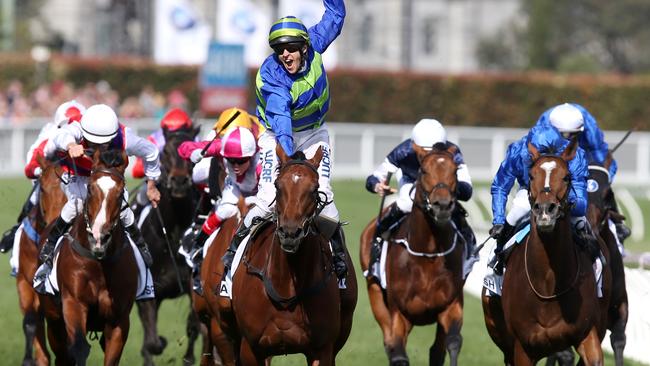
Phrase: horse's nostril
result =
(552, 207)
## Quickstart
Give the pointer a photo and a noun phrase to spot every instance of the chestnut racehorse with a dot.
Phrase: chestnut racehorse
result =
(424, 275)
(286, 297)
(97, 272)
(51, 200)
(549, 300)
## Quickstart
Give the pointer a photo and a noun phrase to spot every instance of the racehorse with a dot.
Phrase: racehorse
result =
(97, 272)
(548, 300)
(51, 200)
(171, 275)
(286, 298)
(424, 275)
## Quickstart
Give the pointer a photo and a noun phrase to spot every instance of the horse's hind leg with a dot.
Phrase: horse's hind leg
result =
(33, 327)
(115, 339)
(448, 336)
(75, 315)
(591, 353)
(224, 347)
(153, 344)
(247, 356)
(192, 331)
(562, 358)
(395, 340)
(618, 338)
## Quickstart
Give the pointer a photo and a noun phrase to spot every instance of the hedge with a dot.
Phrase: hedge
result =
(509, 100)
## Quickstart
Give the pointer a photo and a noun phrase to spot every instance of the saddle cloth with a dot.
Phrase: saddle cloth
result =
(493, 282)
(145, 289)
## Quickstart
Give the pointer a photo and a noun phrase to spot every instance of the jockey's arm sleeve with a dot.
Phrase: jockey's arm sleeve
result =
(66, 135)
(143, 148)
(593, 140)
(186, 148)
(278, 111)
(325, 32)
(502, 184)
(578, 190)
(379, 175)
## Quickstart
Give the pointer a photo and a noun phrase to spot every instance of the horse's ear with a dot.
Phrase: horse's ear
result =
(534, 153)
(42, 162)
(282, 156)
(125, 159)
(165, 134)
(195, 131)
(95, 157)
(570, 152)
(420, 152)
(318, 156)
(452, 149)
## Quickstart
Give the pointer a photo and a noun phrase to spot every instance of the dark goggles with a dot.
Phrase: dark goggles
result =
(238, 161)
(290, 47)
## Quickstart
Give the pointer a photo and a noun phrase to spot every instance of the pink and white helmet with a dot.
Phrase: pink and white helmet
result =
(238, 143)
(68, 111)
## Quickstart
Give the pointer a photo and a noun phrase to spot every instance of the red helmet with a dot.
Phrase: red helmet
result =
(175, 119)
(68, 112)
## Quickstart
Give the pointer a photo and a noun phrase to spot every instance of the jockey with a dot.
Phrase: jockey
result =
(515, 166)
(99, 129)
(239, 151)
(571, 119)
(292, 101)
(426, 134)
(65, 113)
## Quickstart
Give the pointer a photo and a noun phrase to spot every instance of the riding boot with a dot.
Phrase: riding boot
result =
(338, 252)
(584, 236)
(7, 241)
(498, 262)
(229, 256)
(138, 240)
(385, 225)
(459, 217)
(197, 259)
(46, 255)
(622, 231)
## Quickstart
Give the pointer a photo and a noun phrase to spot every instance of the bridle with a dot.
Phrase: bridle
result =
(563, 201)
(427, 205)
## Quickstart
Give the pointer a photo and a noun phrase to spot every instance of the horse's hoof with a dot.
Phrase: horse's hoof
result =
(188, 361)
(29, 363)
(158, 347)
(399, 361)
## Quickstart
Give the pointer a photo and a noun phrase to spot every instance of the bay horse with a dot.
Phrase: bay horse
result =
(97, 271)
(549, 300)
(51, 200)
(178, 199)
(286, 297)
(424, 275)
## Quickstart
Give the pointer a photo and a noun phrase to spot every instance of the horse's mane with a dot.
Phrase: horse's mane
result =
(298, 155)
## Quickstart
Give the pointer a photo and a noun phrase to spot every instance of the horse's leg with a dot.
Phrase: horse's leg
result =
(224, 347)
(206, 350)
(521, 358)
(192, 331)
(395, 343)
(618, 338)
(322, 357)
(589, 349)
(448, 336)
(247, 356)
(153, 344)
(33, 331)
(75, 315)
(56, 337)
(115, 338)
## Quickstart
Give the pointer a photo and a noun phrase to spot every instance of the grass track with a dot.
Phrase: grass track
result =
(363, 348)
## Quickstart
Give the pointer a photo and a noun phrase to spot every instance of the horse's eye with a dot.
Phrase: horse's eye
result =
(530, 177)
(567, 178)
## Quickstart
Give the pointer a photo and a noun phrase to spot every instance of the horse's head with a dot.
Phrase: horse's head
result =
(51, 196)
(104, 201)
(177, 172)
(297, 198)
(437, 181)
(550, 182)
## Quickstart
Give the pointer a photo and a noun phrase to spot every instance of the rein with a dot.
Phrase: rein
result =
(87, 253)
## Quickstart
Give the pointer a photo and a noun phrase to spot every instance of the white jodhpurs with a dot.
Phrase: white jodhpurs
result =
(306, 141)
(520, 207)
(405, 196)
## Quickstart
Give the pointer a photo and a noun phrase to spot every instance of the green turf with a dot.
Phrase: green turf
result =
(363, 348)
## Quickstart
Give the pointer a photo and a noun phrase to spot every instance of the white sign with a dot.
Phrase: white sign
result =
(241, 22)
(180, 35)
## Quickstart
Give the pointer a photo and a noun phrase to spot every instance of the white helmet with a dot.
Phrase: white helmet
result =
(427, 133)
(99, 124)
(70, 110)
(238, 143)
(567, 118)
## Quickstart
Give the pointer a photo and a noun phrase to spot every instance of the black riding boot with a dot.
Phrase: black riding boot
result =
(46, 255)
(385, 224)
(499, 260)
(622, 231)
(138, 240)
(338, 252)
(197, 259)
(459, 217)
(584, 236)
(227, 258)
(7, 241)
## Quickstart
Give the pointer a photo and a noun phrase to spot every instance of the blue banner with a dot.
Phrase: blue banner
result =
(225, 66)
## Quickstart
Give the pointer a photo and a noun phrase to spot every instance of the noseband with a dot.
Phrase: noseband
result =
(547, 190)
(427, 206)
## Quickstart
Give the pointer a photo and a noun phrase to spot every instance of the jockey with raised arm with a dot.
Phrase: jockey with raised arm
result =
(427, 133)
(66, 112)
(99, 129)
(571, 119)
(515, 167)
(238, 148)
(293, 97)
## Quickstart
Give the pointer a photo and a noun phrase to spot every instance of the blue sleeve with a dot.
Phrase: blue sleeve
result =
(578, 193)
(398, 155)
(371, 182)
(503, 182)
(325, 32)
(592, 139)
(464, 191)
(278, 108)
(613, 168)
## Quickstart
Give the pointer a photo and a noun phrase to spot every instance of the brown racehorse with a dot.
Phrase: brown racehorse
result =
(424, 282)
(97, 271)
(548, 300)
(51, 200)
(285, 294)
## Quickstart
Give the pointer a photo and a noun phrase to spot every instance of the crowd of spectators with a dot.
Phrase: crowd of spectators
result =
(18, 107)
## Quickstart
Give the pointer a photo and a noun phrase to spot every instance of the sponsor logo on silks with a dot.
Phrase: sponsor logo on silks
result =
(267, 167)
(326, 163)
(592, 185)
(223, 289)
(148, 290)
